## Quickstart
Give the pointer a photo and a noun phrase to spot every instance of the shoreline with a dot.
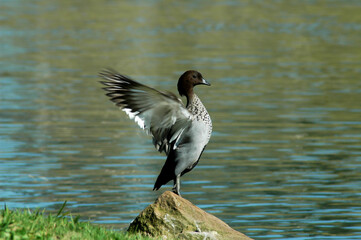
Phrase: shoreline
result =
(40, 224)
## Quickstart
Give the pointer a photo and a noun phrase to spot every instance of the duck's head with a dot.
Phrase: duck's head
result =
(188, 80)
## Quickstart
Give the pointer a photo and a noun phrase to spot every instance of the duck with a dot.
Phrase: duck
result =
(180, 131)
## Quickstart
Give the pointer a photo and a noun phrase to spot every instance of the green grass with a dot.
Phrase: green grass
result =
(25, 224)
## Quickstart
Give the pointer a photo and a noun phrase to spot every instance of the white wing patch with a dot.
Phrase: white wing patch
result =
(133, 115)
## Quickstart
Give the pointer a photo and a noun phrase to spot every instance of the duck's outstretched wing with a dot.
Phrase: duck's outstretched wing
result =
(163, 115)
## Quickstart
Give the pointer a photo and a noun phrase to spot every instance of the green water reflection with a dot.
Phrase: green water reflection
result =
(285, 156)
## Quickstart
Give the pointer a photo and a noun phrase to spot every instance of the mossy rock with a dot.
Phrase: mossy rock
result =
(173, 217)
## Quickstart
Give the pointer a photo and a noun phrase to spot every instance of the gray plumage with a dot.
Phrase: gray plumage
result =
(182, 132)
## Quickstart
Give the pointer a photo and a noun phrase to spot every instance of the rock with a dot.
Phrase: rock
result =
(173, 217)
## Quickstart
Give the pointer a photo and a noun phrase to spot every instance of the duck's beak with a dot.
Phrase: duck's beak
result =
(205, 82)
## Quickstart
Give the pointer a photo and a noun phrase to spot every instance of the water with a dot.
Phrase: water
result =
(285, 156)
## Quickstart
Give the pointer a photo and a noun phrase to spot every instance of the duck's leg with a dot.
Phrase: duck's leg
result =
(176, 187)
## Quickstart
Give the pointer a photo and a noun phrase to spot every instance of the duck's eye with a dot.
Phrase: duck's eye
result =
(194, 76)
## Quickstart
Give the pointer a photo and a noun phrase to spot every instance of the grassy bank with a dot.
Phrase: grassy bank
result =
(26, 224)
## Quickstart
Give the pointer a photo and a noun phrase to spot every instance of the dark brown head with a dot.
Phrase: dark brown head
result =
(188, 80)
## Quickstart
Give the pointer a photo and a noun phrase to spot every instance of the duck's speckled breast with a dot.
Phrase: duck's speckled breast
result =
(200, 113)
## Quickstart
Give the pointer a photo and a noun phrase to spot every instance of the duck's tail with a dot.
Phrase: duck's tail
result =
(167, 173)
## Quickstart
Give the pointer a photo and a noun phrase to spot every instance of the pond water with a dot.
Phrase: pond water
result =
(284, 160)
